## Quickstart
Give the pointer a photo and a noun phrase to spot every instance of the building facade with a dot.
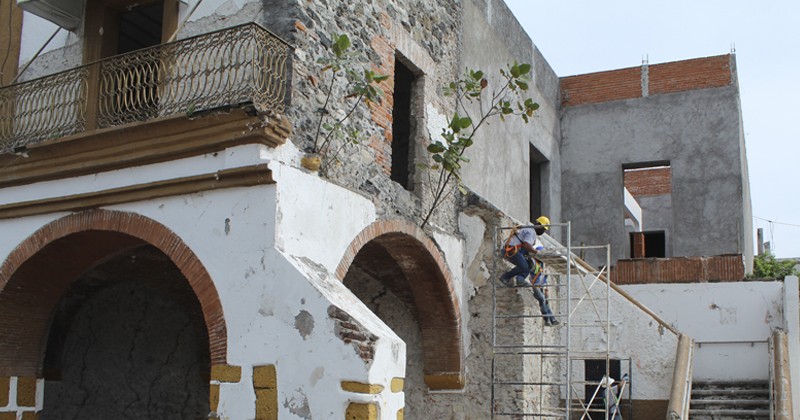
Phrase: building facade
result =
(165, 249)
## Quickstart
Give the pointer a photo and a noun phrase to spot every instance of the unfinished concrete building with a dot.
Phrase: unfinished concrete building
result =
(165, 251)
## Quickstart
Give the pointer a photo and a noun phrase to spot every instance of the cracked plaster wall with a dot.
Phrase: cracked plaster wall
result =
(130, 353)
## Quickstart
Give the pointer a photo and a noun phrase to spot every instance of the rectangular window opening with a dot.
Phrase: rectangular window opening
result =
(648, 244)
(402, 124)
(538, 165)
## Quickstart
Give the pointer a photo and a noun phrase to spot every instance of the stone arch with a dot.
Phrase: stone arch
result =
(419, 261)
(40, 269)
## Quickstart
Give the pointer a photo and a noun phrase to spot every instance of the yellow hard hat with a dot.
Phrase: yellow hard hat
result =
(544, 221)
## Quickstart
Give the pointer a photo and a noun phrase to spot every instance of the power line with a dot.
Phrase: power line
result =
(777, 223)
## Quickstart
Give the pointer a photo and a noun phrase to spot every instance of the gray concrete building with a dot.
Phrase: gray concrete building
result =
(672, 134)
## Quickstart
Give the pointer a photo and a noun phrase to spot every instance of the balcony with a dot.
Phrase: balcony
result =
(241, 65)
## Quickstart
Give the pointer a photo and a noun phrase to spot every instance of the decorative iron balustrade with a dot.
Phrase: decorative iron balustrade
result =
(245, 64)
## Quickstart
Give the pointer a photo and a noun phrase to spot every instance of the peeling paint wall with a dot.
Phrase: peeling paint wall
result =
(276, 306)
(633, 334)
(730, 323)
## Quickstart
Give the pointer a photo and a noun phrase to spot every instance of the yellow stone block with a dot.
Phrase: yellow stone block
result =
(5, 381)
(397, 384)
(361, 388)
(213, 397)
(30, 415)
(265, 377)
(226, 373)
(8, 416)
(26, 391)
(436, 382)
(267, 404)
(400, 414)
(359, 411)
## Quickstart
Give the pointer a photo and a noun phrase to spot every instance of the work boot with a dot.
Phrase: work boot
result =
(553, 322)
(523, 282)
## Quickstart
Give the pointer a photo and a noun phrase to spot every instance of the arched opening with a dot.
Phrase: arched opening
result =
(400, 275)
(127, 340)
(117, 316)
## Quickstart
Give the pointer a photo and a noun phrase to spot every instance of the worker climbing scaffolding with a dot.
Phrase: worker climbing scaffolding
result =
(520, 249)
(519, 246)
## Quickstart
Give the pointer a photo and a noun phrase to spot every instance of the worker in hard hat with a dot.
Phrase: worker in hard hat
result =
(518, 246)
(539, 280)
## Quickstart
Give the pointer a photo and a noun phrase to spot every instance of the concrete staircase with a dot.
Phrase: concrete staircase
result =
(726, 400)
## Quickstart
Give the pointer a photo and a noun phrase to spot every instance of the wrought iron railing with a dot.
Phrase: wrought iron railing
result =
(245, 64)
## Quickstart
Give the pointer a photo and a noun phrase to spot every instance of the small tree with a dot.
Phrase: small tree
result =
(361, 86)
(447, 154)
(765, 266)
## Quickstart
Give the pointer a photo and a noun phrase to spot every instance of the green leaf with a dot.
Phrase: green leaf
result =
(437, 158)
(524, 68)
(464, 122)
(437, 147)
(522, 85)
(514, 71)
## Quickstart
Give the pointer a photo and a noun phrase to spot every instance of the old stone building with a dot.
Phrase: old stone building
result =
(165, 251)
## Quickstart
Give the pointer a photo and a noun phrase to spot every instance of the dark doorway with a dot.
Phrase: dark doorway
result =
(594, 370)
(128, 340)
(402, 124)
(655, 244)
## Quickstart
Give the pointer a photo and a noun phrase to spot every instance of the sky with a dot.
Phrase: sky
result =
(586, 36)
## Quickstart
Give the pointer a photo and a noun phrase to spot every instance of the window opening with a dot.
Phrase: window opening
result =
(404, 80)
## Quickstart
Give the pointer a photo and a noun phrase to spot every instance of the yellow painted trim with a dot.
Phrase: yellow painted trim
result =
(436, 382)
(266, 404)
(229, 178)
(265, 377)
(213, 397)
(226, 373)
(26, 391)
(400, 414)
(139, 143)
(361, 388)
(360, 411)
(30, 415)
(5, 385)
(397, 384)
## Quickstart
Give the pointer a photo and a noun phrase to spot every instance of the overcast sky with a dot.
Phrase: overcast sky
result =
(583, 36)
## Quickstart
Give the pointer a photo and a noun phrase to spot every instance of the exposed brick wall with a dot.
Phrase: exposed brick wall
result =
(352, 332)
(634, 82)
(679, 270)
(423, 268)
(601, 87)
(381, 112)
(699, 73)
(648, 181)
(41, 269)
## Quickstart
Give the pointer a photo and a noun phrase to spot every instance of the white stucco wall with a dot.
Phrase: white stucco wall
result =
(263, 290)
(633, 334)
(730, 323)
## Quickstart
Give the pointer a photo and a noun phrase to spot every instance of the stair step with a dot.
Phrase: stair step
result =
(730, 392)
(729, 413)
(737, 402)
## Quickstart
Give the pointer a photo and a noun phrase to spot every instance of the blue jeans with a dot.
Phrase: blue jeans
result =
(543, 306)
(521, 267)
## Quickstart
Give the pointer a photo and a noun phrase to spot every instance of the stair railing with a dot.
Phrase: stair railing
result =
(680, 394)
(780, 377)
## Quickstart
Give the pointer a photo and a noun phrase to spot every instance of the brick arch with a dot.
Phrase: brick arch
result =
(422, 266)
(40, 269)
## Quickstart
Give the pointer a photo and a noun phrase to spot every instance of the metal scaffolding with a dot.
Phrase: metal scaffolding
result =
(538, 370)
